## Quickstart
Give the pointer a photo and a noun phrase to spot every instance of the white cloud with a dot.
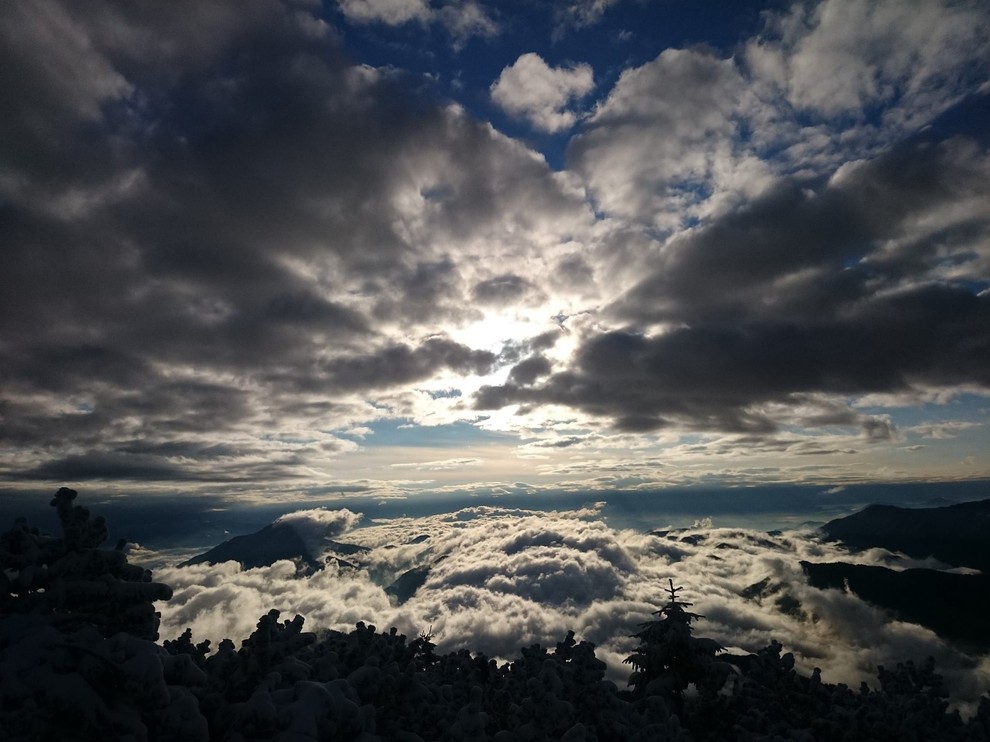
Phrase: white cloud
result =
(466, 19)
(580, 14)
(318, 525)
(462, 20)
(355, 225)
(531, 89)
(664, 140)
(391, 12)
(502, 579)
(942, 430)
(839, 57)
(690, 135)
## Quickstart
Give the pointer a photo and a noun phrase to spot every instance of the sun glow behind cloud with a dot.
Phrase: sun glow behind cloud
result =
(499, 328)
(760, 252)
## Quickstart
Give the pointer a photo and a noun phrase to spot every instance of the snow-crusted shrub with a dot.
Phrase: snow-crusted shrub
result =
(772, 700)
(77, 656)
(69, 581)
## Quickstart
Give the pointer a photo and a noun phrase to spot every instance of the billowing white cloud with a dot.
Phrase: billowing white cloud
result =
(501, 578)
(692, 134)
(665, 139)
(531, 89)
(356, 249)
(913, 58)
(318, 525)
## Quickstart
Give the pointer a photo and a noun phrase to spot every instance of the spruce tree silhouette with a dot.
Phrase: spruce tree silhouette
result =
(669, 658)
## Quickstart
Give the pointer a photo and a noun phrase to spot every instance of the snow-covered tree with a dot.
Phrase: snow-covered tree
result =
(77, 628)
(70, 581)
(669, 658)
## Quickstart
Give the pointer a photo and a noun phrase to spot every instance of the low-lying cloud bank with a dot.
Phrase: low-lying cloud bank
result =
(501, 578)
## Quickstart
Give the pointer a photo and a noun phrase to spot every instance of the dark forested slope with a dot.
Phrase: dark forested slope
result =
(957, 534)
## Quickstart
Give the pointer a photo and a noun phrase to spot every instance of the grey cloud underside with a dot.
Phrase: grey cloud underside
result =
(797, 253)
(801, 292)
(710, 376)
(197, 235)
(504, 289)
(400, 364)
(218, 231)
(278, 151)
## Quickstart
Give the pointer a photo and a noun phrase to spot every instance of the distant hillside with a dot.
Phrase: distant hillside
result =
(274, 542)
(261, 549)
(406, 584)
(954, 606)
(956, 534)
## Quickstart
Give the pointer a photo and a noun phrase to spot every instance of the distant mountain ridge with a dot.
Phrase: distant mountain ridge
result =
(261, 549)
(274, 542)
(956, 534)
(952, 605)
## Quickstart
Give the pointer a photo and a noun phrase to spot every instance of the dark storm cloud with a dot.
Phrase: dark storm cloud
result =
(573, 270)
(65, 368)
(211, 164)
(162, 414)
(206, 216)
(96, 465)
(212, 467)
(428, 289)
(303, 308)
(529, 370)
(400, 364)
(801, 250)
(505, 289)
(799, 292)
(515, 351)
(222, 239)
(710, 376)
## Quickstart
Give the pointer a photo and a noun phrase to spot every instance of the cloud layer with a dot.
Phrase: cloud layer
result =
(502, 578)
(232, 253)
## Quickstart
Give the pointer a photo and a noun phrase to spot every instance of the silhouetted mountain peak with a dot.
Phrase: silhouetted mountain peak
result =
(406, 584)
(272, 543)
(339, 547)
(956, 534)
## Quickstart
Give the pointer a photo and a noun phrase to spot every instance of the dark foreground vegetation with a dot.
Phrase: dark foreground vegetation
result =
(79, 661)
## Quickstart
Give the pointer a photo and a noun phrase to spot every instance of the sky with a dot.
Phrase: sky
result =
(275, 252)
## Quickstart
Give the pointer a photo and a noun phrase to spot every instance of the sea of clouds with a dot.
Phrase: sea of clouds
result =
(504, 578)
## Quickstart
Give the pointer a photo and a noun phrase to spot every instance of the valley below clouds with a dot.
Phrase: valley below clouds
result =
(497, 579)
